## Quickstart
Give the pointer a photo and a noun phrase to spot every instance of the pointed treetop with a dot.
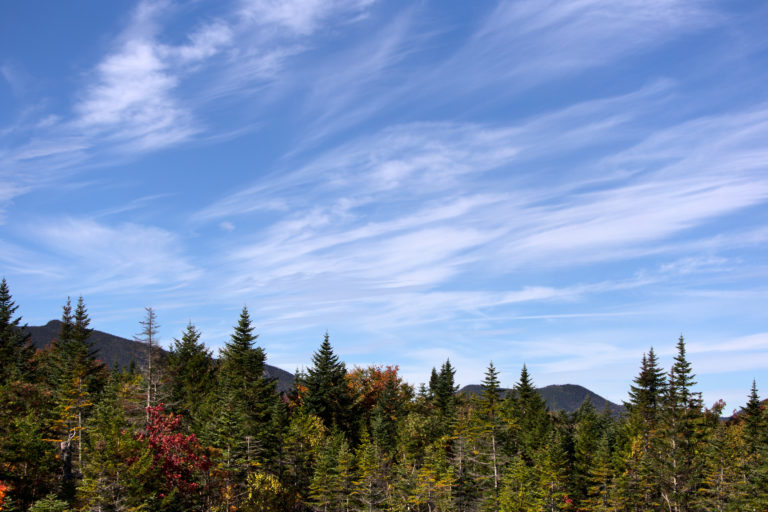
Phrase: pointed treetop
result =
(67, 323)
(525, 384)
(491, 385)
(648, 387)
(7, 307)
(324, 359)
(81, 330)
(243, 336)
(681, 377)
(754, 427)
(15, 351)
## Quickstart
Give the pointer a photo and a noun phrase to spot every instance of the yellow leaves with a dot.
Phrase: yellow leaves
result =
(264, 493)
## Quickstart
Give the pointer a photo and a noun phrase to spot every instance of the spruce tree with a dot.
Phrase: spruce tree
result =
(754, 422)
(15, 350)
(491, 431)
(755, 465)
(680, 466)
(443, 388)
(643, 445)
(647, 392)
(81, 330)
(327, 395)
(528, 410)
(244, 391)
(191, 367)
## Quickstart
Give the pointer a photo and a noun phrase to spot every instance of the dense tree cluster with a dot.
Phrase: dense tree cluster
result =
(198, 433)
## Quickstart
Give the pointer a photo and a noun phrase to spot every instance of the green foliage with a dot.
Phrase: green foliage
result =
(191, 367)
(15, 351)
(244, 401)
(74, 437)
(50, 504)
(326, 394)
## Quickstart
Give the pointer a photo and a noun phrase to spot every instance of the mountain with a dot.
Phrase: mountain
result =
(121, 351)
(566, 397)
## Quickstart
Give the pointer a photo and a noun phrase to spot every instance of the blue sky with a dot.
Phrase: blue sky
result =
(560, 183)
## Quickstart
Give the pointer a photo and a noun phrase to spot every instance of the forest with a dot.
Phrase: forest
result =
(193, 432)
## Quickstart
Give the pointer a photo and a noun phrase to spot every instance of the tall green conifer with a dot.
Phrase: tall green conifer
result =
(327, 395)
(15, 350)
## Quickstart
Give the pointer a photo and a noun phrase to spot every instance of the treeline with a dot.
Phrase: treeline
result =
(189, 432)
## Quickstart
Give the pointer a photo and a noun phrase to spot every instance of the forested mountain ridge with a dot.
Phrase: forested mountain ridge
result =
(558, 397)
(112, 349)
(184, 432)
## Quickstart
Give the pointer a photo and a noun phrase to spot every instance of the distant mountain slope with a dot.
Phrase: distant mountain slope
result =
(114, 349)
(566, 397)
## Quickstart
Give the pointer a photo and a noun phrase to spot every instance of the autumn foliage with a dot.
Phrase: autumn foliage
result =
(181, 458)
(3, 493)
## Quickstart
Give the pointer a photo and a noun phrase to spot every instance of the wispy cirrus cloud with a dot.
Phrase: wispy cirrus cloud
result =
(524, 43)
(125, 258)
(147, 93)
(420, 208)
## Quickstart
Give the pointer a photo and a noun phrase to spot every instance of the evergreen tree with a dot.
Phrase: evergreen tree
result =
(642, 439)
(369, 485)
(754, 422)
(647, 392)
(443, 389)
(81, 330)
(15, 350)
(327, 394)
(754, 467)
(244, 391)
(191, 367)
(587, 435)
(491, 432)
(679, 469)
(601, 480)
(529, 412)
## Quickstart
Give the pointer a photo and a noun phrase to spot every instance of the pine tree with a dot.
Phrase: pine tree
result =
(327, 395)
(15, 350)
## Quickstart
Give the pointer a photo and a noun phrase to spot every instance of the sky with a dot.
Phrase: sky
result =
(561, 184)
